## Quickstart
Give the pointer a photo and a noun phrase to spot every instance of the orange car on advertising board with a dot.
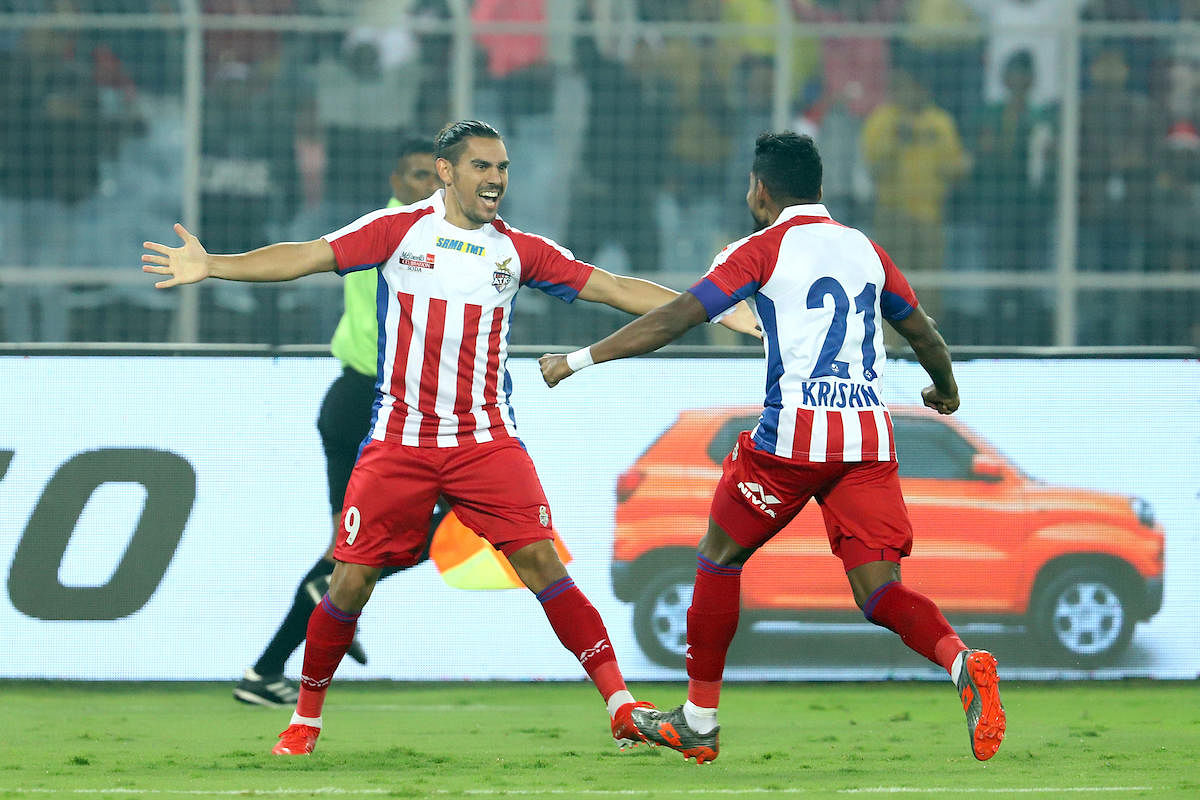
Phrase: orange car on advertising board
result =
(1077, 568)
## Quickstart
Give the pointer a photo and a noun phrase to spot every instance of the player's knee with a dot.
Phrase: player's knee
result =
(719, 547)
(866, 578)
(538, 565)
(351, 585)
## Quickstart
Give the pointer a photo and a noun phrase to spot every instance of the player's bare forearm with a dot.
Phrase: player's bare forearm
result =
(648, 332)
(191, 263)
(645, 334)
(632, 295)
(934, 356)
(639, 296)
(276, 262)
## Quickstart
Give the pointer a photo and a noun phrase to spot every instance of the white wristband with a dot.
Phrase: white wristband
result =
(580, 359)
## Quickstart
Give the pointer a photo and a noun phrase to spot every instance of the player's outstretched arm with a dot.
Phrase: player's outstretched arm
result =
(645, 334)
(931, 350)
(638, 296)
(191, 263)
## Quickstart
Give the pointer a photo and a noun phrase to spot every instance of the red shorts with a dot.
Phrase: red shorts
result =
(865, 515)
(493, 487)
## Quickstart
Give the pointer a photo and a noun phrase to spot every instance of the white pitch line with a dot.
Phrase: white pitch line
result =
(1026, 790)
(753, 790)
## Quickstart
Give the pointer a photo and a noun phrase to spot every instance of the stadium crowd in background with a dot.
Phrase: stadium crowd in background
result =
(331, 100)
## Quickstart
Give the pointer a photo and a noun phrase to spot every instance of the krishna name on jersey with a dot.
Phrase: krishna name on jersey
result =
(443, 303)
(820, 289)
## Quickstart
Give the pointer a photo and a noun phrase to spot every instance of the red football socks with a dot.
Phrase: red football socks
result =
(916, 619)
(712, 622)
(330, 632)
(578, 626)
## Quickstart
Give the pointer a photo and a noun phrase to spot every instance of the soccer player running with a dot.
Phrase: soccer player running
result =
(449, 269)
(819, 288)
(343, 423)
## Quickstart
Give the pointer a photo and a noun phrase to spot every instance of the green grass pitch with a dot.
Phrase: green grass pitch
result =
(550, 740)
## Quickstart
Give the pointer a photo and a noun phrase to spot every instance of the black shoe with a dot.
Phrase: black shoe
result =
(266, 690)
(356, 652)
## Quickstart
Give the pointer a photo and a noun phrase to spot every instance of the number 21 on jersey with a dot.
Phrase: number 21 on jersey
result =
(828, 365)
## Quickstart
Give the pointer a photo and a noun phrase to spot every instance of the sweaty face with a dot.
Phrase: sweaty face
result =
(475, 182)
(414, 178)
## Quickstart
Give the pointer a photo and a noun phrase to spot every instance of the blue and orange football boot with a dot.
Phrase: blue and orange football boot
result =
(979, 691)
(670, 729)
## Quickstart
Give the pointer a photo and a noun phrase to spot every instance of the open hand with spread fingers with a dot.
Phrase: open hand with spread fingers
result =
(188, 263)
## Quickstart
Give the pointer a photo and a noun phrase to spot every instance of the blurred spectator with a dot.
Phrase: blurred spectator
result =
(434, 98)
(153, 56)
(248, 176)
(622, 160)
(65, 105)
(232, 53)
(747, 65)
(365, 93)
(1032, 26)
(686, 70)
(854, 68)
(745, 54)
(948, 64)
(853, 82)
(1141, 53)
(516, 62)
(1120, 132)
(1011, 198)
(1012, 150)
(913, 150)
(1174, 237)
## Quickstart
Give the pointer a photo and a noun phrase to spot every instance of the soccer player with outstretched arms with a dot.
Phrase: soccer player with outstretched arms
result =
(449, 269)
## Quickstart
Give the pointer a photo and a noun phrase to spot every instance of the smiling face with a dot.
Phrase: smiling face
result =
(475, 182)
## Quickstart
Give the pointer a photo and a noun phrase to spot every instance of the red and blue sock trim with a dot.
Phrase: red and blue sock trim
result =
(711, 567)
(873, 600)
(335, 612)
(555, 589)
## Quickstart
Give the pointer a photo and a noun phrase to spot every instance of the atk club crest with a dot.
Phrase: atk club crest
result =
(502, 277)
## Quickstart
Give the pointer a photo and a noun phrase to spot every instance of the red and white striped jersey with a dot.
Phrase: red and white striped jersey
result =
(819, 290)
(444, 300)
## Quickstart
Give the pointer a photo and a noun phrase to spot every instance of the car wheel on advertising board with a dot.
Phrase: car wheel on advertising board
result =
(1084, 615)
(660, 615)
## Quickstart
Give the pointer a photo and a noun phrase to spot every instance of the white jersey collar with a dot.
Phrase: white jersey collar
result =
(802, 210)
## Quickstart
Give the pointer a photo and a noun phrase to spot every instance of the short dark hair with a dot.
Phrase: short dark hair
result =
(1020, 59)
(410, 144)
(789, 165)
(451, 140)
